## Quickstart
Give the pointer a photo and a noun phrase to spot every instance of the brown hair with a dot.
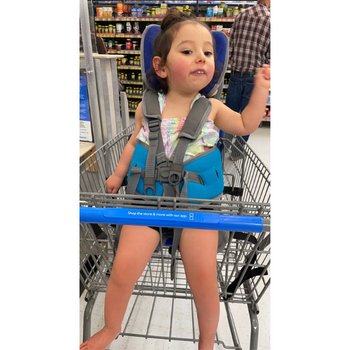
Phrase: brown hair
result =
(170, 25)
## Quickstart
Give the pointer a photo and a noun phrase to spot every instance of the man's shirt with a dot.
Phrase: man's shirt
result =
(250, 39)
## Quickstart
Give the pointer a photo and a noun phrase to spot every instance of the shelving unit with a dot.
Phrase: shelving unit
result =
(108, 29)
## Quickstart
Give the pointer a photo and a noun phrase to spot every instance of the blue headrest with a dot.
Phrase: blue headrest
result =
(214, 88)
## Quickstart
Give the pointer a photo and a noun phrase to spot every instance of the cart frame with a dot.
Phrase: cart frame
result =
(243, 264)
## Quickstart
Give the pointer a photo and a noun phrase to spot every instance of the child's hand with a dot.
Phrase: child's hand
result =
(112, 184)
(262, 76)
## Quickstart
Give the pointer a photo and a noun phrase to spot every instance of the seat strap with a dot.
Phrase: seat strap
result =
(250, 260)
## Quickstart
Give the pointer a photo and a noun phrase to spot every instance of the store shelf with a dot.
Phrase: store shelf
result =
(134, 96)
(128, 67)
(129, 52)
(131, 82)
(129, 19)
(119, 35)
(217, 19)
(159, 19)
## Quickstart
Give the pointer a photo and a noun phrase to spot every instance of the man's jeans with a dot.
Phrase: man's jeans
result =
(238, 94)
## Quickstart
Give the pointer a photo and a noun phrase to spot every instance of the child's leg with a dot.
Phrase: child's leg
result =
(135, 248)
(198, 250)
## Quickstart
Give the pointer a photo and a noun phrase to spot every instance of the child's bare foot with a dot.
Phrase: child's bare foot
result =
(100, 340)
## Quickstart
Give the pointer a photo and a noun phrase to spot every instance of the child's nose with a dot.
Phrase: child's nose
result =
(201, 57)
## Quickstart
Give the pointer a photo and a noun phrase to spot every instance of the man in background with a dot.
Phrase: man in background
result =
(249, 42)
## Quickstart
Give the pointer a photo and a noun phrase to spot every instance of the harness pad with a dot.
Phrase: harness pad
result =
(203, 174)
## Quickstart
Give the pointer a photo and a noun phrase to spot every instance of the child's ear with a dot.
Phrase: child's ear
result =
(160, 70)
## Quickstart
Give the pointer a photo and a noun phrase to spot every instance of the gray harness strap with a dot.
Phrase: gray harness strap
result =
(175, 246)
(150, 109)
(134, 178)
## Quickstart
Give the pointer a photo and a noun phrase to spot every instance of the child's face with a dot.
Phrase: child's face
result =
(190, 63)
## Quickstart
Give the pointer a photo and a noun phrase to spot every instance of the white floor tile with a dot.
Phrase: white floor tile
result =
(259, 142)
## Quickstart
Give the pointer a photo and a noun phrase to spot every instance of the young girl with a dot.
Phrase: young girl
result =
(184, 62)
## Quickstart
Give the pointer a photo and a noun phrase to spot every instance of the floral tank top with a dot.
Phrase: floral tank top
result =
(171, 127)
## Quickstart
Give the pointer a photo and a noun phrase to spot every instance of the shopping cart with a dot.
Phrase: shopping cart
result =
(243, 261)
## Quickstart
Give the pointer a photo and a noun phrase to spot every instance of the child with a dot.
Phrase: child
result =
(184, 62)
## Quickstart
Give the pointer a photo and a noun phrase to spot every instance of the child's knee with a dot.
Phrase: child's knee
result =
(203, 280)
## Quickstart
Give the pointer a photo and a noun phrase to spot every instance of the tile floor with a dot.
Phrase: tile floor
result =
(259, 141)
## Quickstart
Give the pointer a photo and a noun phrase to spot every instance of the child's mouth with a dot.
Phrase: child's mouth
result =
(198, 72)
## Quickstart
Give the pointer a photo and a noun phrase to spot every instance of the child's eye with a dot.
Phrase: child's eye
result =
(208, 53)
(187, 52)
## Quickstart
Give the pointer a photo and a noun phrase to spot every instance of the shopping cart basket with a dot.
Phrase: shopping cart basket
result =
(242, 264)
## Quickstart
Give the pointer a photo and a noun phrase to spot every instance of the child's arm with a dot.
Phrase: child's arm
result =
(244, 124)
(114, 182)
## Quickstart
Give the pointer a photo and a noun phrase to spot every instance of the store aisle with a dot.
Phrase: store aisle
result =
(259, 141)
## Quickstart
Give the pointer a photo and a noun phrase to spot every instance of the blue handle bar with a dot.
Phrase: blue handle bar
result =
(168, 218)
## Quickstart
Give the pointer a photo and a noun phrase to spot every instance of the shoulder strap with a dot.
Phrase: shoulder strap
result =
(151, 113)
(189, 132)
(150, 105)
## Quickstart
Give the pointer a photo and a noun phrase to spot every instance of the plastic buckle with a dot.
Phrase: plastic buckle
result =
(176, 174)
(163, 171)
(154, 125)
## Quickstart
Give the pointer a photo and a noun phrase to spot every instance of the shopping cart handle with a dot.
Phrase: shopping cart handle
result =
(168, 218)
